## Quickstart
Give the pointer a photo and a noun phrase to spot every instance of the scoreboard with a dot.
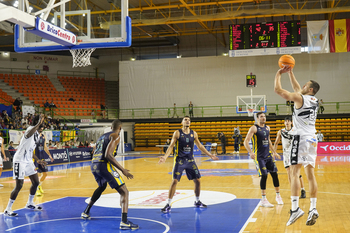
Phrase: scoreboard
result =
(265, 35)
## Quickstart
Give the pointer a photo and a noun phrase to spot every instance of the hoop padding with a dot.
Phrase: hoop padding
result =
(250, 112)
(81, 57)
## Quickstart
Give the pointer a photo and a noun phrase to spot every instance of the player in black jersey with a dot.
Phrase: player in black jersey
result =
(103, 168)
(263, 158)
(40, 151)
(184, 140)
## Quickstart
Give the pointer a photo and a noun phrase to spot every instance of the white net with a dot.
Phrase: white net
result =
(250, 112)
(81, 57)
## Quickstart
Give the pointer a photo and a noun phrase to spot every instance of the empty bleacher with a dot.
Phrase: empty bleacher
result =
(88, 93)
(148, 135)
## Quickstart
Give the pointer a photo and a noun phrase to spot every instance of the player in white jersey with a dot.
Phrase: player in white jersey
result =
(304, 144)
(2, 152)
(286, 146)
(23, 165)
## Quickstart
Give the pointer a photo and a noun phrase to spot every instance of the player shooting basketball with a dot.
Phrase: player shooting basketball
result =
(304, 143)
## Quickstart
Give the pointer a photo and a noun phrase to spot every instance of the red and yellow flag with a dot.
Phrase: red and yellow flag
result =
(339, 35)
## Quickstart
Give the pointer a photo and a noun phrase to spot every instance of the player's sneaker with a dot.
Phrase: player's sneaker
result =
(294, 215)
(33, 207)
(303, 194)
(128, 225)
(265, 203)
(10, 213)
(199, 204)
(85, 216)
(166, 209)
(38, 193)
(279, 200)
(40, 189)
(1, 185)
(311, 219)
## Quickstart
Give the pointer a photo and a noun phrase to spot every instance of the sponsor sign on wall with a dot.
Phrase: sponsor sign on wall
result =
(333, 148)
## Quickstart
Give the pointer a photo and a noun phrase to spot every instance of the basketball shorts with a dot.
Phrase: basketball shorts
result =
(1, 164)
(188, 165)
(286, 159)
(23, 169)
(105, 172)
(304, 150)
(40, 168)
(265, 166)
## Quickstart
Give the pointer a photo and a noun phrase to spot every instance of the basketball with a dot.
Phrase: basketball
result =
(286, 60)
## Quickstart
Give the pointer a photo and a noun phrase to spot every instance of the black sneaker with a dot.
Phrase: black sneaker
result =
(33, 207)
(199, 204)
(303, 194)
(166, 209)
(128, 226)
(10, 213)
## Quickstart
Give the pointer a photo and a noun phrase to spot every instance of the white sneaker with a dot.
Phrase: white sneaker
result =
(10, 213)
(294, 215)
(311, 219)
(279, 200)
(1, 185)
(33, 207)
(265, 203)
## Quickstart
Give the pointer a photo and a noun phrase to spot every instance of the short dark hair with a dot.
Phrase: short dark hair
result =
(288, 118)
(186, 117)
(315, 86)
(259, 113)
(116, 124)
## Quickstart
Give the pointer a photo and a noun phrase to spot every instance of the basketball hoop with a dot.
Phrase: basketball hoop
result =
(81, 57)
(250, 111)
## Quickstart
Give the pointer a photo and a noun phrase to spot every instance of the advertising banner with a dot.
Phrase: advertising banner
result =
(330, 148)
(78, 154)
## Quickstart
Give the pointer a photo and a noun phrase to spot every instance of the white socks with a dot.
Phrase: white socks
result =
(169, 201)
(295, 202)
(263, 197)
(197, 199)
(9, 205)
(30, 199)
(313, 203)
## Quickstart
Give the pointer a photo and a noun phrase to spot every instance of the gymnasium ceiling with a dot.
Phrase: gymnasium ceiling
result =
(156, 21)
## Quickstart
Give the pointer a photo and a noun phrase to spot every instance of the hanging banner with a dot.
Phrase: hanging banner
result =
(27, 109)
(318, 36)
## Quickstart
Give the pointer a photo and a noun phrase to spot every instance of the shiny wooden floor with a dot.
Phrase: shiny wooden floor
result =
(333, 176)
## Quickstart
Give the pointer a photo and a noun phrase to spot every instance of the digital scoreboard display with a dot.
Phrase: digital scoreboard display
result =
(265, 35)
(251, 80)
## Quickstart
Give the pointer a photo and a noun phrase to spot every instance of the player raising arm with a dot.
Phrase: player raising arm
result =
(304, 143)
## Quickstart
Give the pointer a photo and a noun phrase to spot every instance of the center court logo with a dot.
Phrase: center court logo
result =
(157, 199)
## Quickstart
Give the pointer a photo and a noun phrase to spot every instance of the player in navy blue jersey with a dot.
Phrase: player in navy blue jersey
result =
(183, 140)
(40, 151)
(263, 158)
(103, 168)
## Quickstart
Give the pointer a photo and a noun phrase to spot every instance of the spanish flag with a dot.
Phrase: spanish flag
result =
(339, 35)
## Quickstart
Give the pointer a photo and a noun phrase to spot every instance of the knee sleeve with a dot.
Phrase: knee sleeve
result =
(263, 182)
(98, 192)
(276, 182)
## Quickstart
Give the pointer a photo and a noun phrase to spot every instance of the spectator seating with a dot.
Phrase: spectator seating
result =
(5, 98)
(151, 134)
(88, 93)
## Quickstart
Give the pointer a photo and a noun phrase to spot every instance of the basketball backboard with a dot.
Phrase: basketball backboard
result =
(86, 25)
(251, 104)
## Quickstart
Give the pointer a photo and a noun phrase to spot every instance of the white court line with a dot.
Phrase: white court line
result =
(167, 228)
(234, 161)
(249, 219)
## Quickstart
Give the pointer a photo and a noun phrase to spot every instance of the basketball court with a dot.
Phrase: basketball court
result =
(230, 188)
